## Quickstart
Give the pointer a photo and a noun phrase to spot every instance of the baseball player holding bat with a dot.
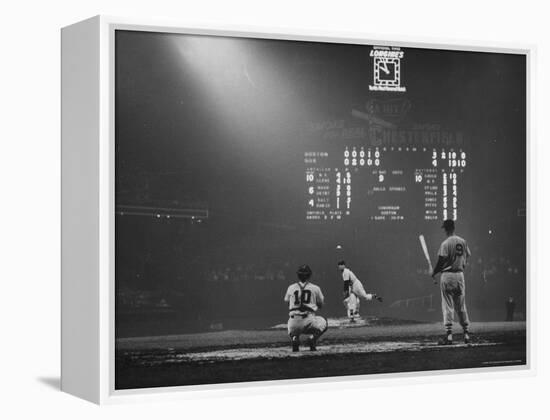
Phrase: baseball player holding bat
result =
(354, 292)
(452, 258)
(304, 299)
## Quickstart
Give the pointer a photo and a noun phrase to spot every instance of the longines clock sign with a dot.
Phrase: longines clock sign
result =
(387, 69)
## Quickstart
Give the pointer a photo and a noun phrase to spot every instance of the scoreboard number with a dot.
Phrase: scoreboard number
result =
(392, 177)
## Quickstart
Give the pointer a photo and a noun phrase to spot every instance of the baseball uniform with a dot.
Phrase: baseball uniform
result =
(355, 290)
(356, 287)
(304, 299)
(454, 250)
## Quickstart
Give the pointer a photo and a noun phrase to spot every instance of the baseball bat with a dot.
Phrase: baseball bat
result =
(426, 254)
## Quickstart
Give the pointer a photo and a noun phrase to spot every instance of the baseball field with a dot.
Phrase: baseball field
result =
(377, 346)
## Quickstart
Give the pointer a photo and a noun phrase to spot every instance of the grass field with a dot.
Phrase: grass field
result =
(255, 355)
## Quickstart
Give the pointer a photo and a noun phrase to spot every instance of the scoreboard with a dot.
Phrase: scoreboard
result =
(384, 183)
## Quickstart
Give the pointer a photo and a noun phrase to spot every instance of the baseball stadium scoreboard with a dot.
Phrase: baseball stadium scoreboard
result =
(384, 183)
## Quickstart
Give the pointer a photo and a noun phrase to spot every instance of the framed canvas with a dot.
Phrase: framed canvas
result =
(248, 208)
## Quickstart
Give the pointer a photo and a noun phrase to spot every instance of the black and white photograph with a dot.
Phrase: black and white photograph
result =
(275, 209)
(294, 209)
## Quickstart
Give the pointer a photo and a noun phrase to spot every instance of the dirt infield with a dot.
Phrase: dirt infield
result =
(237, 356)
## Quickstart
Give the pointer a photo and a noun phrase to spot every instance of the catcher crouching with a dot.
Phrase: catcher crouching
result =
(304, 300)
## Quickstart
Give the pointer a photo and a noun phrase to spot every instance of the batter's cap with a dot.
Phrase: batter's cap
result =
(448, 224)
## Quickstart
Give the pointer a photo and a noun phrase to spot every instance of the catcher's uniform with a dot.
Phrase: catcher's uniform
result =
(304, 299)
(453, 288)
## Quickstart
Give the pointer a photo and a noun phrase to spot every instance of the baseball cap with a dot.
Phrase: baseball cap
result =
(448, 224)
(304, 271)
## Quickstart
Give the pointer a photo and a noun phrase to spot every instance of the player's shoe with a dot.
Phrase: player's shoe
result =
(312, 343)
(467, 338)
(295, 344)
(446, 341)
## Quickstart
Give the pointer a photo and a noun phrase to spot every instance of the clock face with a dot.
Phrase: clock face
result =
(386, 71)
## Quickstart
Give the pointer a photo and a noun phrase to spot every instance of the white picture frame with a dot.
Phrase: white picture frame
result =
(88, 208)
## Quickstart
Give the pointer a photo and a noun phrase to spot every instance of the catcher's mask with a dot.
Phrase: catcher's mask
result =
(304, 272)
